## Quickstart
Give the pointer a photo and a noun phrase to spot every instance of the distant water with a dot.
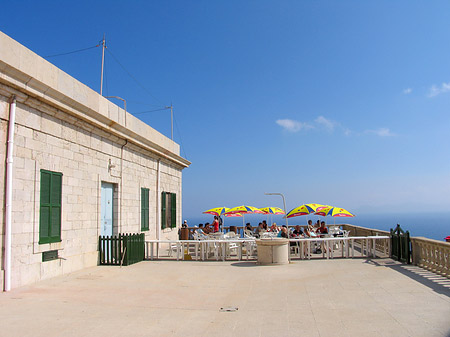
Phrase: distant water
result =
(430, 225)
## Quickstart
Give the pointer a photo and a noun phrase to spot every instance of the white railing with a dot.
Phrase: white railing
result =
(432, 255)
(369, 246)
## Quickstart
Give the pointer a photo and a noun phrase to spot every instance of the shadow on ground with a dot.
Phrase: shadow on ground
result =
(437, 283)
(245, 264)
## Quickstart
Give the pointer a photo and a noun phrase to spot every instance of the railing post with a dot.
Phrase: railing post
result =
(407, 248)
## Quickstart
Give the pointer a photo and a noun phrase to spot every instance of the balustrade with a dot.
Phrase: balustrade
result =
(432, 255)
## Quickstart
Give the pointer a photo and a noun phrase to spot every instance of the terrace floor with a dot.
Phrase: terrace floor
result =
(341, 297)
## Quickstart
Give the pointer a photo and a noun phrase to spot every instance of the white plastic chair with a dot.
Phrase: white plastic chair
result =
(174, 247)
(229, 236)
(248, 234)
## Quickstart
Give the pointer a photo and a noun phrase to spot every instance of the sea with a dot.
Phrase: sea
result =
(430, 225)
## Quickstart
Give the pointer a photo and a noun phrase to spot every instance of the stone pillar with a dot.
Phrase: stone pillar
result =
(273, 251)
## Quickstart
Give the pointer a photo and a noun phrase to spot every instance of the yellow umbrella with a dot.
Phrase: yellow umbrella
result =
(305, 210)
(335, 212)
(231, 215)
(218, 211)
(340, 212)
(272, 210)
(244, 210)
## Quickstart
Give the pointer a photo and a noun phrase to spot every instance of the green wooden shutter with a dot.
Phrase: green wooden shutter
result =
(55, 227)
(144, 208)
(44, 217)
(163, 210)
(173, 209)
(50, 207)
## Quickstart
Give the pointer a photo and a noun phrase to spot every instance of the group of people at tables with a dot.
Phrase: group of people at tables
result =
(209, 228)
(311, 231)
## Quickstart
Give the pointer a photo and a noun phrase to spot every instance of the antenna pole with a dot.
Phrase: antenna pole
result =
(103, 63)
(171, 119)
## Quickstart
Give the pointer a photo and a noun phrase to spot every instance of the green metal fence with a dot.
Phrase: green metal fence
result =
(400, 245)
(122, 249)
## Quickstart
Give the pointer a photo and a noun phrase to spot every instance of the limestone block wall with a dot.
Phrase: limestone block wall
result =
(48, 138)
(66, 127)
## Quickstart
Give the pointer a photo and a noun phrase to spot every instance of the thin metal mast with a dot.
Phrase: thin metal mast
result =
(171, 119)
(103, 62)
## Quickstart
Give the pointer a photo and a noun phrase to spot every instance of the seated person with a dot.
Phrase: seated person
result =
(274, 228)
(207, 228)
(309, 232)
(322, 229)
(266, 228)
(297, 232)
(248, 227)
(317, 225)
(199, 230)
(283, 233)
(259, 230)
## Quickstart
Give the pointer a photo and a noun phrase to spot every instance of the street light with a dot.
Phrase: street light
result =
(284, 203)
(285, 216)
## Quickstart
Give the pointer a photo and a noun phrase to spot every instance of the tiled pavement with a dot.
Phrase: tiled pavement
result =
(341, 297)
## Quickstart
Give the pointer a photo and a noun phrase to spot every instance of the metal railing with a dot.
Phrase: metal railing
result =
(400, 245)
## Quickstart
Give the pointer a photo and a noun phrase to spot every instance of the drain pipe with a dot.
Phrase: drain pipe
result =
(8, 196)
(121, 186)
(158, 205)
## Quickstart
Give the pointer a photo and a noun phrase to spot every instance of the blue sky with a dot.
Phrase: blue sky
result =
(336, 102)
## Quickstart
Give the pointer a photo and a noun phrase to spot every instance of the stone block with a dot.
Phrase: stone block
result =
(68, 132)
(83, 138)
(80, 92)
(9, 51)
(4, 112)
(65, 85)
(51, 125)
(29, 118)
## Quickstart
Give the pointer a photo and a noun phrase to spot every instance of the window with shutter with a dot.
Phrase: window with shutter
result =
(145, 207)
(173, 210)
(168, 210)
(163, 210)
(50, 207)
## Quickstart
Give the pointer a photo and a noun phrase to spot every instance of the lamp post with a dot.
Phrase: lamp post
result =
(285, 216)
(284, 204)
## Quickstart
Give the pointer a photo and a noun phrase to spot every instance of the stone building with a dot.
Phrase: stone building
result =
(81, 167)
